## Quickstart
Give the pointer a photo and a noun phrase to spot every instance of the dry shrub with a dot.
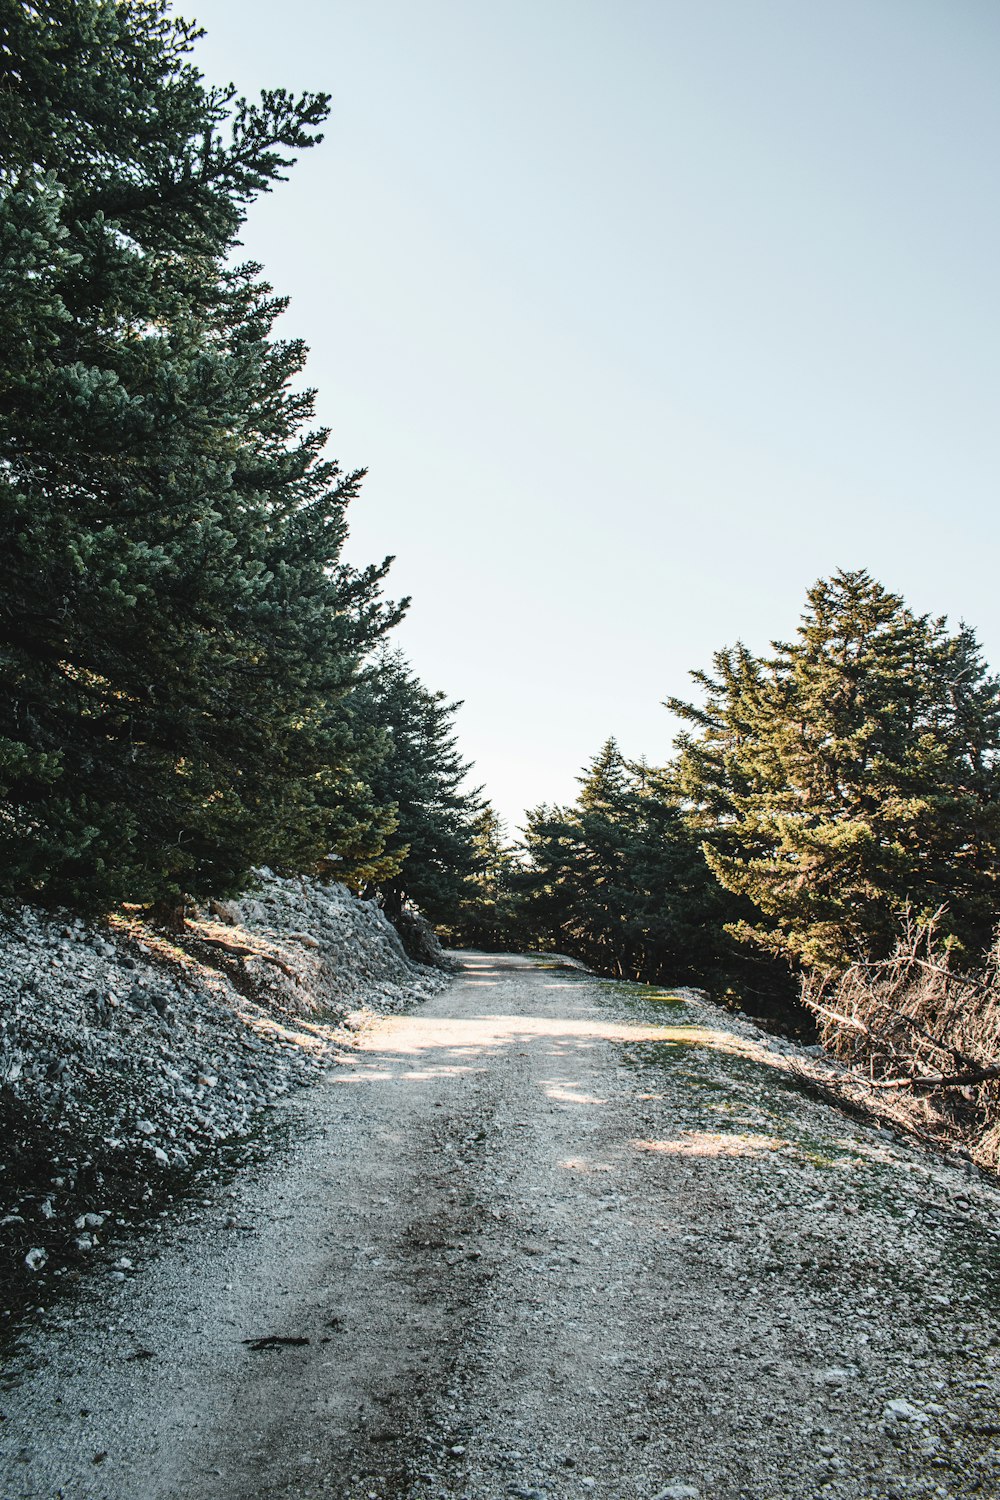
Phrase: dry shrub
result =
(923, 1033)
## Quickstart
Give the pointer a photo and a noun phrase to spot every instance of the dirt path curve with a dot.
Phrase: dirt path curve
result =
(545, 1237)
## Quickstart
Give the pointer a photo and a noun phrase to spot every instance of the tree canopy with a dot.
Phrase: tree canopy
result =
(177, 628)
(850, 777)
(619, 880)
(421, 776)
(488, 909)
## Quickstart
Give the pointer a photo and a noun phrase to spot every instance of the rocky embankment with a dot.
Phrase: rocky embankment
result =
(130, 1060)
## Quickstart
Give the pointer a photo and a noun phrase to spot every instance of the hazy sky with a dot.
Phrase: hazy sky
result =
(642, 316)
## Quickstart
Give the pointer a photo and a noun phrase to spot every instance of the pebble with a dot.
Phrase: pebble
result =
(905, 1411)
(835, 1375)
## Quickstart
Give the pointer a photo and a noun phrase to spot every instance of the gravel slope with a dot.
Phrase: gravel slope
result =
(547, 1236)
(128, 1057)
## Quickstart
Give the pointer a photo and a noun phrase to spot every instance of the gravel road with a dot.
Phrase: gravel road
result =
(545, 1236)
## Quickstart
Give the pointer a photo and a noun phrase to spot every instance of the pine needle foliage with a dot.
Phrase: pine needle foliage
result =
(421, 777)
(487, 916)
(618, 879)
(176, 625)
(850, 778)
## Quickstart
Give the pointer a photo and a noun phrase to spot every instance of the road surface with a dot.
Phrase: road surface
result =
(544, 1237)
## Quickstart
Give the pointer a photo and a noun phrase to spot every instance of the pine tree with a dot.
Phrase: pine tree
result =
(421, 777)
(606, 815)
(851, 777)
(619, 881)
(176, 627)
(487, 913)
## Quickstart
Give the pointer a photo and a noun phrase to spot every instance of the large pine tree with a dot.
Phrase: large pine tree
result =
(850, 777)
(176, 627)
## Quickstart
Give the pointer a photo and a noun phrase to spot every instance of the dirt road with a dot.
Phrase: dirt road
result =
(546, 1236)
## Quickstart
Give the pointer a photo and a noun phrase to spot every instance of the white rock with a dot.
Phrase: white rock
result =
(904, 1411)
(678, 1490)
(35, 1259)
(835, 1375)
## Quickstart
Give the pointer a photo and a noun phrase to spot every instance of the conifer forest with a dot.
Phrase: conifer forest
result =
(207, 722)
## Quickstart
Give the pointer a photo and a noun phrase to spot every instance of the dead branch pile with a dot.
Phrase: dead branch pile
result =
(918, 1028)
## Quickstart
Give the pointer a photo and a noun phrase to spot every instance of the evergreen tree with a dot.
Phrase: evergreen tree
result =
(619, 881)
(850, 777)
(420, 776)
(487, 914)
(176, 627)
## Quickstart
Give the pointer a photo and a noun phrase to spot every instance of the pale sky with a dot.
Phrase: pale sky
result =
(642, 317)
